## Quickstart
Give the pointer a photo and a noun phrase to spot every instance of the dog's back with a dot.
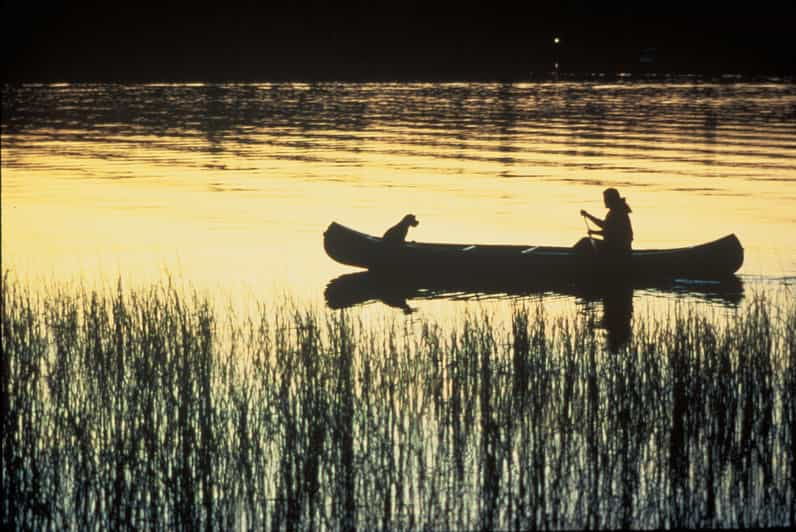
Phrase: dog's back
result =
(397, 233)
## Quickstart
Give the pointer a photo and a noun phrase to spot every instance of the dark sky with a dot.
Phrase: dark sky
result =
(395, 40)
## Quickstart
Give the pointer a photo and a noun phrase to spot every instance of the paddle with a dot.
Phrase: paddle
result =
(588, 234)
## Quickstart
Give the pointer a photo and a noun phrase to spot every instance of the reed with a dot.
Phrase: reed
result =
(151, 409)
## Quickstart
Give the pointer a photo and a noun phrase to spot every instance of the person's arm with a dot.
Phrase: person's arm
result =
(597, 221)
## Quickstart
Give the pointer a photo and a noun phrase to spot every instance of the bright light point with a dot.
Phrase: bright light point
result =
(556, 40)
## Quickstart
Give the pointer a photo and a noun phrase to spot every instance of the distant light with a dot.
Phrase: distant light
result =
(556, 40)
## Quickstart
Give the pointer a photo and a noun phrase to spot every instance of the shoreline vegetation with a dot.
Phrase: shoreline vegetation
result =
(149, 409)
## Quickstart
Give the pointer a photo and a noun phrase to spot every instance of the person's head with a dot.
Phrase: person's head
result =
(612, 198)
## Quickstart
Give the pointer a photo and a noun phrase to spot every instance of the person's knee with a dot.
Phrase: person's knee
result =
(582, 243)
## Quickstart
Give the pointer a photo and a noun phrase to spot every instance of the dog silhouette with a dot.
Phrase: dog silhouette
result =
(397, 233)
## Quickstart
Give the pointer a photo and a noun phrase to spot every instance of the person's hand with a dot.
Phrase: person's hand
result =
(583, 213)
(591, 232)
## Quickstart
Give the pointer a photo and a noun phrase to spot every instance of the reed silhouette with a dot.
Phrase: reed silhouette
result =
(150, 409)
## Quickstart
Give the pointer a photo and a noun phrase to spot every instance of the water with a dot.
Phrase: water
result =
(229, 187)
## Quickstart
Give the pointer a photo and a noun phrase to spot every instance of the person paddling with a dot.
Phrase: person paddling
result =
(616, 230)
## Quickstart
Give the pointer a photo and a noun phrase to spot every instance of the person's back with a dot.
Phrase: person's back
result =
(618, 232)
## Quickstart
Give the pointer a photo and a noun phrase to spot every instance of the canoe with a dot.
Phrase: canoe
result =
(713, 260)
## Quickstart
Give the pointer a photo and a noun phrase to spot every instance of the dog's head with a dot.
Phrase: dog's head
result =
(409, 219)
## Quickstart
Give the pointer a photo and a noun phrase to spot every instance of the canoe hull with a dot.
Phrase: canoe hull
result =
(714, 260)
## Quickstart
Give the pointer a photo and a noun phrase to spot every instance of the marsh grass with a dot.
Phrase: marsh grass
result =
(147, 409)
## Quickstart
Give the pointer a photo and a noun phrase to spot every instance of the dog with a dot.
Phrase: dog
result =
(397, 233)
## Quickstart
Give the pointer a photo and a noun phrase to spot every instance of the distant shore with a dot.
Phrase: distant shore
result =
(540, 76)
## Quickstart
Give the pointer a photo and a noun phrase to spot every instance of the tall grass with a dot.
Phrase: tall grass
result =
(147, 409)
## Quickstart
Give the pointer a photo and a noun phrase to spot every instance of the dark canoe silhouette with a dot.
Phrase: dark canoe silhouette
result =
(713, 260)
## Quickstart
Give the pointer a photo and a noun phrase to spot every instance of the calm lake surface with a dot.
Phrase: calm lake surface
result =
(136, 411)
(230, 186)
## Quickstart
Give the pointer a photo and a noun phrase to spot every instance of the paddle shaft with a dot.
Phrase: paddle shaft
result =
(586, 221)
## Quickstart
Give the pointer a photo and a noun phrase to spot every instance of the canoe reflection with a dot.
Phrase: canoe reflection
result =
(616, 296)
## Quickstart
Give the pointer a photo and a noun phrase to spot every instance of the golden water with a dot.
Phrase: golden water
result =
(230, 186)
